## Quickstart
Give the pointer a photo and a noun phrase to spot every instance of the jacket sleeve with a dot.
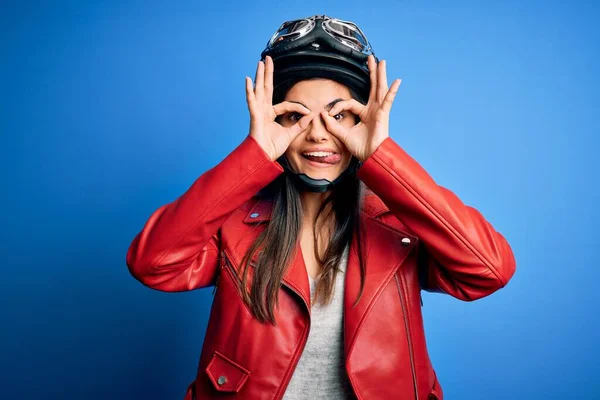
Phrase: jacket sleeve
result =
(464, 255)
(178, 248)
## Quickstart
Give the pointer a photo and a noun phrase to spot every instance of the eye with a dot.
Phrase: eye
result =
(339, 116)
(294, 116)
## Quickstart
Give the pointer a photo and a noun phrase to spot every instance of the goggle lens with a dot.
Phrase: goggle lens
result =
(347, 33)
(291, 30)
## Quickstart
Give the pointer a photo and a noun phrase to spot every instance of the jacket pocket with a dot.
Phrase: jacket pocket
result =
(225, 374)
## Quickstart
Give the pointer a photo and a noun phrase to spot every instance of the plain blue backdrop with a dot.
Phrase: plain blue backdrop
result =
(110, 109)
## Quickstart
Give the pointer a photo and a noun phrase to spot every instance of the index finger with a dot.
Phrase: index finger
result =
(351, 105)
(288, 106)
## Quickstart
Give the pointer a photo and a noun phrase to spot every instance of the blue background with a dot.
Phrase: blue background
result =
(109, 110)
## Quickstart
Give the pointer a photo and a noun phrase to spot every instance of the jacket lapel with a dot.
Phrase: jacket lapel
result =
(385, 252)
(296, 276)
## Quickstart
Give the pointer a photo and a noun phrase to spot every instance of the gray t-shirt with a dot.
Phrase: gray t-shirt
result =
(320, 373)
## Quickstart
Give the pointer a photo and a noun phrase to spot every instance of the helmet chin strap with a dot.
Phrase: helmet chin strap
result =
(306, 183)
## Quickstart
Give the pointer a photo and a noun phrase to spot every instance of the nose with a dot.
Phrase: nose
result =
(317, 130)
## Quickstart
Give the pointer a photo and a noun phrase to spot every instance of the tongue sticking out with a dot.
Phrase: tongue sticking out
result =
(332, 159)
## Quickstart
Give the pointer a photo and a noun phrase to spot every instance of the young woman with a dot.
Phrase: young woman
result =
(319, 232)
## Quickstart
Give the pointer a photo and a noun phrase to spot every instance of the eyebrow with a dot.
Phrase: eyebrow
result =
(327, 107)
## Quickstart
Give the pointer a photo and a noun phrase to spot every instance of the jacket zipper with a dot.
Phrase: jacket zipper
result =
(216, 283)
(410, 347)
(232, 270)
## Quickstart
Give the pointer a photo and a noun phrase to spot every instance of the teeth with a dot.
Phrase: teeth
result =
(318, 154)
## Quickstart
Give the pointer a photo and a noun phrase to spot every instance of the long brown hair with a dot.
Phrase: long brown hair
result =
(277, 242)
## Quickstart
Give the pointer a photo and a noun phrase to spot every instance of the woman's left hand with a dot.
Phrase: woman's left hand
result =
(362, 139)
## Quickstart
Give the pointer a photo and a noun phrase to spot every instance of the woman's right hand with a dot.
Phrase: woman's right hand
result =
(270, 135)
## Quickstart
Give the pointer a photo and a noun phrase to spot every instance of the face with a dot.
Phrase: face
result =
(318, 95)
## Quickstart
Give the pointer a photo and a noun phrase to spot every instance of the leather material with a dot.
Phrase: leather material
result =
(419, 235)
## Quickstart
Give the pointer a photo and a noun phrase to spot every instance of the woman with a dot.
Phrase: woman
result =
(319, 232)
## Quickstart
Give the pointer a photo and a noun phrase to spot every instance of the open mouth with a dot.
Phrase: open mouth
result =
(322, 157)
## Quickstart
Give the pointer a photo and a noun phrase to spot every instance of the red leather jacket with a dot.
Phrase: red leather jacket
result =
(419, 236)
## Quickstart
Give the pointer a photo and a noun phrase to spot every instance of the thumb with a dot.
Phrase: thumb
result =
(301, 125)
(335, 127)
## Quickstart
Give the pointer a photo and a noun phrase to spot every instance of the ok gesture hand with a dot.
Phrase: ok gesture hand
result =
(271, 136)
(363, 138)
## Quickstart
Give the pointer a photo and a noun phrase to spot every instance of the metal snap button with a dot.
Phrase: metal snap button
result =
(253, 215)
(405, 241)
(222, 380)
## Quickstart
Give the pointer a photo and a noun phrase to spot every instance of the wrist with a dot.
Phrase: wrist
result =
(374, 146)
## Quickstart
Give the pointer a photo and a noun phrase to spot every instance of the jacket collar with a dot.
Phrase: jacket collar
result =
(373, 207)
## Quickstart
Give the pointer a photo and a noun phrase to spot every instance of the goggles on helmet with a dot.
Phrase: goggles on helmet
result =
(345, 32)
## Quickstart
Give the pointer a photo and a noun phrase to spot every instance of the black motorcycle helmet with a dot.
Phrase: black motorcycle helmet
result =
(319, 47)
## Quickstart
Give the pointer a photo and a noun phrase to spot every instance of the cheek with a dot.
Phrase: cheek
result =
(292, 150)
(292, 155)
(342, 148)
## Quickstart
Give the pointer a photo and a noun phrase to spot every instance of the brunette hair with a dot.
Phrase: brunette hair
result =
(277, 242)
